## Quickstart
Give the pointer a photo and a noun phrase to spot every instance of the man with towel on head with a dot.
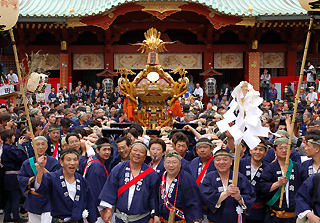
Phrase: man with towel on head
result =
(273, 179)
(178, 194)
(38, 206)
(131, 188)
(69, 193)
(226, 202)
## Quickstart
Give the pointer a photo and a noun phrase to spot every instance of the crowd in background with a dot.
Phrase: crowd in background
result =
(75, 120)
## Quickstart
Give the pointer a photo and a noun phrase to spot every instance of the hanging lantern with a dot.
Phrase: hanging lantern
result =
(107, 85)
(210, 86)
(310, 5)
(9, 12)
(37, 83)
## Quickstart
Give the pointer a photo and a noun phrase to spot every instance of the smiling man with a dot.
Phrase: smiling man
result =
(273, 178)
(131, 189)
(38, 206)
(178, 191)
(70, 195)
(252, 167)
(225, 201)
(123, 146)
(97, 169)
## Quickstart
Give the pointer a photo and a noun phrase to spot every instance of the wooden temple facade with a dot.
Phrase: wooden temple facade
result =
(235, 40)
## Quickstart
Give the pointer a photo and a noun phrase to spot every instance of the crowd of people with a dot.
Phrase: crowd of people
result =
(86, 171)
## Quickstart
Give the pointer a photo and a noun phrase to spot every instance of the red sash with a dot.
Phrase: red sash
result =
(89, 163)
(203, 171)
(134, 180)
(55, 152)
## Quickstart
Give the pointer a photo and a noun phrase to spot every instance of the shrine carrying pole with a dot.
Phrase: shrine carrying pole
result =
(22, 91)
(296, 105)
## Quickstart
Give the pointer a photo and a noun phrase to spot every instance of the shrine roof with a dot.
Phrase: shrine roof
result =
(63, 8)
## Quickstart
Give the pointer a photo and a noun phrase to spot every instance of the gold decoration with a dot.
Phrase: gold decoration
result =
(161, 7)
(247, 21)
(75, 22)
(152, 85)
(254, 44)
(111, 15)
(250, 9)
(211, 14)
(63, 45)
(254, 64)
(152, 43)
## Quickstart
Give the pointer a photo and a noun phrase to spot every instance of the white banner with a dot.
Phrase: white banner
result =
(6, 89)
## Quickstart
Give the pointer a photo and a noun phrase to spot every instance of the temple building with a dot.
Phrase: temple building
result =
(237, 38)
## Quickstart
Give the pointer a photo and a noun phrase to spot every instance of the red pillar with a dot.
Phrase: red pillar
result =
(291, 60)
(253, 64)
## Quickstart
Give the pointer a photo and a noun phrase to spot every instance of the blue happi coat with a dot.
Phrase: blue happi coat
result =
(143, 200)
(97, 176)
(12, 159)
(271, 174)
(196, 167)
(308, 166)
(62, 206)
(211, 189)
(303, 197)
(245, 168)
(187, 198)
(160, 168)
(270, 156)
(36, 204)
(51, 147)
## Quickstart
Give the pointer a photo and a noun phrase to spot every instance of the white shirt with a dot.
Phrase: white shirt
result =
(198, 91)
(312, 96)
(310, 74)
(253, 172)
(265, 77)
(40, 97)
(71, 188)
(13, 78)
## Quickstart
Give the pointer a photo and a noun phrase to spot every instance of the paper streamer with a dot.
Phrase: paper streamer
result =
(245, 113)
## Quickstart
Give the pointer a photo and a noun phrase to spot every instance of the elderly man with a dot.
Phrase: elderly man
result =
(69, 193)
(273, 179)
(225, 201)
(38, 206)
(175, 187)
(130, 187)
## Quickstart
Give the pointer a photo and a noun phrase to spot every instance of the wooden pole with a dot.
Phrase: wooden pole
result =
(236, 165)
(22, 91)
(296, 106)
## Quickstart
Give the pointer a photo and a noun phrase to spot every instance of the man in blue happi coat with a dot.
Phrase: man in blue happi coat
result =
(38, 206)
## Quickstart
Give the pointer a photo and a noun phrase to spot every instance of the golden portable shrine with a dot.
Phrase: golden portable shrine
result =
(153, 85)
